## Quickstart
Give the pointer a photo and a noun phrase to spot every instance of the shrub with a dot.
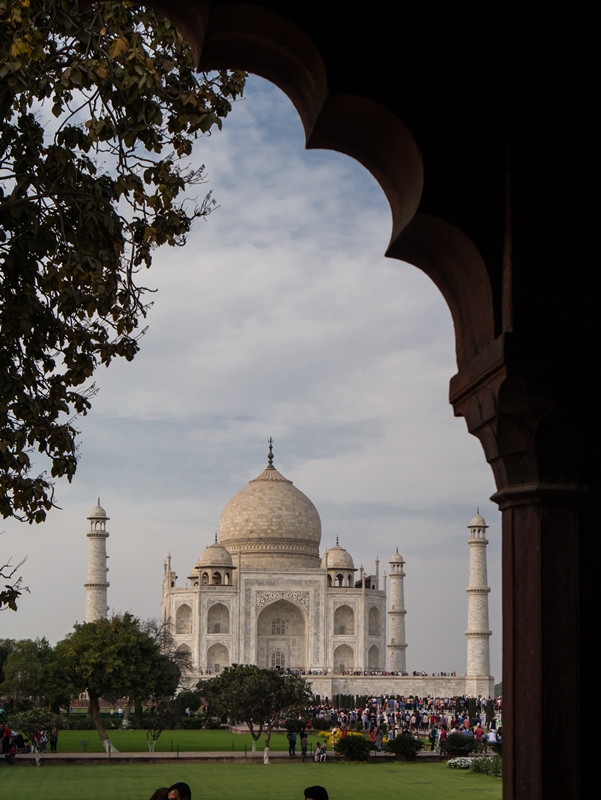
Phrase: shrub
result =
(294, 724)
(73, 723)
(353, 747)
(404, 747)
(456, 745)
(321, 724)
(460, 763)
(190, 723)
(487, 766)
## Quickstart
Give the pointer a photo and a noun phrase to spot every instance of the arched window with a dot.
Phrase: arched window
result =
(344, 621)
(216, 579)
(374, 621)
(339, 580)
(205, 578)
(329, 580)
(350, 580)
(373, 657)
(278, 628)
(183, 619)
(218, 619)
(278, 659)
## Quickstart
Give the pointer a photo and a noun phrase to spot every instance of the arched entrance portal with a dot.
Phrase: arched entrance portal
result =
(282, 636)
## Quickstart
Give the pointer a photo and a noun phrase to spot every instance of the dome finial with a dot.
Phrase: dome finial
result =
(215, 537)
(337, 545)
(270, 454)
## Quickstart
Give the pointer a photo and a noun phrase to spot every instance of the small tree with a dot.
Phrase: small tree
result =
(257, 697)
(117, 656)
(32, 722)
(161, 715)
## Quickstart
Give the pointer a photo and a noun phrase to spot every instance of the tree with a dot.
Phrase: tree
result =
(25, 671)
(6, 647)
(14, 588)
(84, 201)
(257, 697)
(32, 722)
(162, 714)
(117, 656)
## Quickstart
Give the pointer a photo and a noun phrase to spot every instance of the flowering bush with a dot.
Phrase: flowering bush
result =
(488, 766)
(460, 763)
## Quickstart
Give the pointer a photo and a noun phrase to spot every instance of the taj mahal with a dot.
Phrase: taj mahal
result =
(263, 594)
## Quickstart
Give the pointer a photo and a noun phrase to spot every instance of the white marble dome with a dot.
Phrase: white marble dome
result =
(215, 555)
(337, 558)
(98, 512)
(272, 524)
(477, 522)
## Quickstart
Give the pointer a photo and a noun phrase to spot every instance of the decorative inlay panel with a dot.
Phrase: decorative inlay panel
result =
(300, 598)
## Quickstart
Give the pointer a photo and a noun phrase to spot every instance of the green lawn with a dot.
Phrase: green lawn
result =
(135, 741)
(240, 781)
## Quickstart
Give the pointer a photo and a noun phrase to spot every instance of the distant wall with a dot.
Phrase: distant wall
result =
(375, 685)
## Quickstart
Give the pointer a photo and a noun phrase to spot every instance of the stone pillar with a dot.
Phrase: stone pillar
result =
(478, 645)
(97, 584)
(397, 646)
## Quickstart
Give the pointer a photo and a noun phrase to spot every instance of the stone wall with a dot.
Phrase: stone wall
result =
(376, 685)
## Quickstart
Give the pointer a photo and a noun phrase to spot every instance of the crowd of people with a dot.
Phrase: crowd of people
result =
(386, 717)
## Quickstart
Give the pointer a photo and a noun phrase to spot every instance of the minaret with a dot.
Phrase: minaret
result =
(97, 584)
(397, 646)
(478, 645)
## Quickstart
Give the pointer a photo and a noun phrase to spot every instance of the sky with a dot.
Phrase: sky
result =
(280, 317)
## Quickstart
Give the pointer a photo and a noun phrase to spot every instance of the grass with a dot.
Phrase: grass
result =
(242, 782)
(188, 741)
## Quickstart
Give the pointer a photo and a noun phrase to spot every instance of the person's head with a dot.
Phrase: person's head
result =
(316, 793)
(180, 791)
(161, 794)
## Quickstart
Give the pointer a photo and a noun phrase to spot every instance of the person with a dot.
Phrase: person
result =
(304, 742)
(324, 752)
(317, 753)
(378, 738)
(291, 743)
(179, 791)
(316, 793)
(6, 739)
(12, 752)
(161, 794)
(433, 736)
(53, 740)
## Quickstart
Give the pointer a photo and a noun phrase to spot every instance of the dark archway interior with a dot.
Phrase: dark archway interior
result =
(478, 123)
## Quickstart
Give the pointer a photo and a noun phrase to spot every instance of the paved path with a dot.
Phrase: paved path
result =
(52, 759)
